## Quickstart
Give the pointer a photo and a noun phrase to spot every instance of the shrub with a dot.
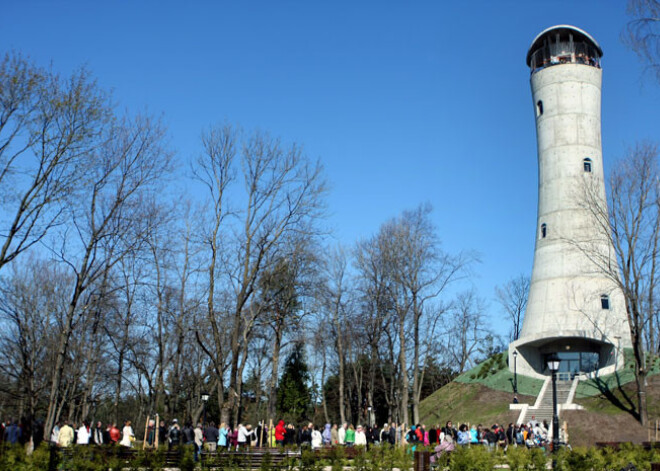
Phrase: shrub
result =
(187, 462)
(518, 458)
(383, 458)
(537, 458)
(309, 461)
(476, 458)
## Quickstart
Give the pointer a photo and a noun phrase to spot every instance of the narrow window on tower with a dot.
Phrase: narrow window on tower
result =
(539, 108)
(605, 301)
(587, 165)
(544, 230)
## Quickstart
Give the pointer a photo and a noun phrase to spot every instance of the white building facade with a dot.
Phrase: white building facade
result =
(575, 309)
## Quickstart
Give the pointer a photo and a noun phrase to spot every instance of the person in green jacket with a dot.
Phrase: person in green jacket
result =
(350, 436)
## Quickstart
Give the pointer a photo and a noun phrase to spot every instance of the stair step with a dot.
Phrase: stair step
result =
(544, 411)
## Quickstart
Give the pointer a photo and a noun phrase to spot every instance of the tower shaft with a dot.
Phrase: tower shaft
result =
(575, 308)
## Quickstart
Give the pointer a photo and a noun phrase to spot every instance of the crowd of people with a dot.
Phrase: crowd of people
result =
(213, 438)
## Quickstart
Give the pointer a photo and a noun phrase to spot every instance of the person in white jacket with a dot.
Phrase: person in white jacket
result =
(317, 438)
(199, 441)
(360, 436)
(84, 433)
(341, 434)
(244, 436)
(127, 435)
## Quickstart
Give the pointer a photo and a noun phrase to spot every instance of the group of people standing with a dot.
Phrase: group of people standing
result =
(210, 437)
(65, 434)
(341, 435)
(242, 437)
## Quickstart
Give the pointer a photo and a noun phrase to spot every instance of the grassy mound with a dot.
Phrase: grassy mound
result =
(494, 374)
(482, 395)
(469, 403)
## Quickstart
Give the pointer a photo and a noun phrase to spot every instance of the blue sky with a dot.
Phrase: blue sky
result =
(403, 102)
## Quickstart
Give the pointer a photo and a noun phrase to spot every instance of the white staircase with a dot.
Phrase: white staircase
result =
(542, 408)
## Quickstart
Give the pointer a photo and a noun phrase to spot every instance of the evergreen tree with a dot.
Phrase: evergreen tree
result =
(293, 394)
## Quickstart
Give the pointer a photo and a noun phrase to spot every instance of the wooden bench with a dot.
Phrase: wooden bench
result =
(348, 452)
(254, 458)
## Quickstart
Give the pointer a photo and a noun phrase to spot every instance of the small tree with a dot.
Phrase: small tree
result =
(293, 395)
(281, 306)
(513, 298)
(633, 224)
(642, 33)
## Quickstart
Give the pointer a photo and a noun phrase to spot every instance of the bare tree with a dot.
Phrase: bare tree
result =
(633, 223)
(283, 197)
(512, 296)
(420, 271)
(372, 313)
(29, 300)
(47, 127)
(282, 288)
(215, 170)
(467, 331)
(335, 298)
(642, 33)
(107, 220)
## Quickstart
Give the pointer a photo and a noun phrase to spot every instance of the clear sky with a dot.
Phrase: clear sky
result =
(403, 102)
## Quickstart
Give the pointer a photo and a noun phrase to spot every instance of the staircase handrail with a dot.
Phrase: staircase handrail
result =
(564, 376)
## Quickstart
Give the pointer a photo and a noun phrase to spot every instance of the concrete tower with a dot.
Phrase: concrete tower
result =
(574, 309)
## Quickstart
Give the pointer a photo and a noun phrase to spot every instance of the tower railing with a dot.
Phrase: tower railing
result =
(564, 53)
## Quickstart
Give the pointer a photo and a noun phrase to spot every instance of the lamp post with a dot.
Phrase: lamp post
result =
(205, 399)
(515, 372)
(553, 365)
(369, 416)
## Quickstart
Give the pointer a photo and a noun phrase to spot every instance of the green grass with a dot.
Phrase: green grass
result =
(480, 395)
(465, 403)
(494, 374)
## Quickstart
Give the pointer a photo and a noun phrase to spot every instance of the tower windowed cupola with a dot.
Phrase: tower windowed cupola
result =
(563, 45)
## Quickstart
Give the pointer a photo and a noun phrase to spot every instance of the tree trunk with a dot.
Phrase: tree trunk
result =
(325, 405)
(340, 360)
(416, 353)
(403, 393)
(640, 377)
(62, 349)
(120, 373)
(272, 384)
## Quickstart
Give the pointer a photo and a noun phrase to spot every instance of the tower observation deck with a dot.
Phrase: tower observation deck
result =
(575, 309)
(563, 45)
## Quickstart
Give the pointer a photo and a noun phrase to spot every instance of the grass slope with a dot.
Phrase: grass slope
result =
(480, 395)
(469, 403)
(494, 374)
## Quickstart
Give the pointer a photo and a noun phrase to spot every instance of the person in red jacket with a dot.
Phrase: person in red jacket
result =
(419, 431)
(114, 434)
(279, 433)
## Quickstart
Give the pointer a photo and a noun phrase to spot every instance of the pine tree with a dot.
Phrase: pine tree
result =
(293, 394)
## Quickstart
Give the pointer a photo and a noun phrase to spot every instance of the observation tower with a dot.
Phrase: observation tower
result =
(574, 310)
